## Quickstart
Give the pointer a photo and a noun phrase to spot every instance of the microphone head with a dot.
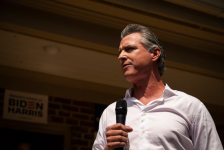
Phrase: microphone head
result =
(121, 107)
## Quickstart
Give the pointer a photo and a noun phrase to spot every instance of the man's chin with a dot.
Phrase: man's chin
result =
(129, 77)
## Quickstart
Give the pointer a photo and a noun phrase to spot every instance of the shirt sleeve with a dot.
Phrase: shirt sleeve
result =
(205, 136)
(101, 141)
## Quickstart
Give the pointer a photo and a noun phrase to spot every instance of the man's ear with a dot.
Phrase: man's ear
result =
(156, 54)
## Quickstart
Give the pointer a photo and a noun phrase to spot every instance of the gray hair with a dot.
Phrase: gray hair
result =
(149, 40)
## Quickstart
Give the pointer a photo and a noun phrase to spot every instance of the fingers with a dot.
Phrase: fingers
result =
(117, 126)
(117, 135)
(117, 139)
(113, 145)
(129, 129)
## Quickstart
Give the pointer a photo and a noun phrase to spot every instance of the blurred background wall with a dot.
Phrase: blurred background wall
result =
(68, 50)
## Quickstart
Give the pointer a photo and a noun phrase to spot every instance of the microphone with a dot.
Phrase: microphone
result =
(121, 112)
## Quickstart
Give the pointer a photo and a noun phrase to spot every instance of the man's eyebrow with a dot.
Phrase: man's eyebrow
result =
(126, 47)
(119, 51)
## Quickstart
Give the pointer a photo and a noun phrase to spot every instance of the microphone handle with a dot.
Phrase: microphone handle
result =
(120, 119)
(120, 148)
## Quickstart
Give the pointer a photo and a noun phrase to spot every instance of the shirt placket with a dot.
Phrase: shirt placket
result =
(143, 123)
(142, 128)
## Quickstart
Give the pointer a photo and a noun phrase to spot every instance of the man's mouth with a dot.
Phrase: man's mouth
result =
(125, 65)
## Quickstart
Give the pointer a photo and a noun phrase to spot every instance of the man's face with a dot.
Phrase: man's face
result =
(135, 60)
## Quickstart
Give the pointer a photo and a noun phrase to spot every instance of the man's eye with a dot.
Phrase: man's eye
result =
(130, 49)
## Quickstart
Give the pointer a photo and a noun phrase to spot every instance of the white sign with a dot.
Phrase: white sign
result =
(25, 106)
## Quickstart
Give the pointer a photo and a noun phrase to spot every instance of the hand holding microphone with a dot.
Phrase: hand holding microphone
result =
(117, 134)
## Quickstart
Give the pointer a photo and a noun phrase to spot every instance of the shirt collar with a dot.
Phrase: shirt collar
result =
(168, 92)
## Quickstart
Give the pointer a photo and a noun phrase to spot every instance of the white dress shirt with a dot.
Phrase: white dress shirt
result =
(177, 121)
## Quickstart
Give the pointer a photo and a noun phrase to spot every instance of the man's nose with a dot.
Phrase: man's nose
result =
(122, 56)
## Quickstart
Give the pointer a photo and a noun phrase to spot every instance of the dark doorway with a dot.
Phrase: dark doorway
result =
(15, 140)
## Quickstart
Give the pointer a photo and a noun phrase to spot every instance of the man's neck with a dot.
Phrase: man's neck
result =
(148, 90)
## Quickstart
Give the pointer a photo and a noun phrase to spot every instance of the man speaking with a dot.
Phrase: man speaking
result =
(158, 117)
